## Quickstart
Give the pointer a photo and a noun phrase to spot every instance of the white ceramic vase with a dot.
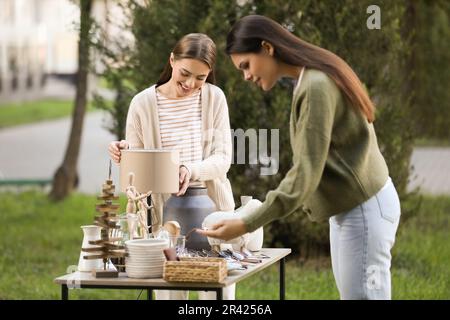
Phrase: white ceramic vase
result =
(254, 240)
(90, 233)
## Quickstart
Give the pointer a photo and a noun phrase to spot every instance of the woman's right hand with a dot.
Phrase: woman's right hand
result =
(225, 229)
(114, 149)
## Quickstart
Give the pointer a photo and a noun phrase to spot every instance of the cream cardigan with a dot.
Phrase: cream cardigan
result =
(142, 131)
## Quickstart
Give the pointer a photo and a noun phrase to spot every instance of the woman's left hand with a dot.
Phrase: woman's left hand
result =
(225, 229)
(185, 177)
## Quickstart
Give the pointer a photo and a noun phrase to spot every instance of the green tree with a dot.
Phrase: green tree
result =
(430, 62)
(65, 178)
(339, 26)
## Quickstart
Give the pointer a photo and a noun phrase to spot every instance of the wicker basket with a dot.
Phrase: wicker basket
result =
(197, 269)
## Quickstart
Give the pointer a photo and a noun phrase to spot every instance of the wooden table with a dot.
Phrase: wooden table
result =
(86, 280)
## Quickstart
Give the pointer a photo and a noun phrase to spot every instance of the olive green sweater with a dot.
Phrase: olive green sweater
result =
(337, 164)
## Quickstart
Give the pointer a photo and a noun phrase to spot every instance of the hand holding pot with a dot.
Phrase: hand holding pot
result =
(185, 177)
(230, 228)
(226, 230)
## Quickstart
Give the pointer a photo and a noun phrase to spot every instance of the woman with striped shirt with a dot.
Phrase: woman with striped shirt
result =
(185, 111)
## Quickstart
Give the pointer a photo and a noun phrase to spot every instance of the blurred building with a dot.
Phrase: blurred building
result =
(39, 46)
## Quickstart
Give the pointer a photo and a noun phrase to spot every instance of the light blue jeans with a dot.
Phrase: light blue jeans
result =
(361, 241)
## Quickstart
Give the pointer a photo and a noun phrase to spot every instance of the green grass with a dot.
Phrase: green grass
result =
(428, 142)
(39, 240)
(421, 256)
(34, 111)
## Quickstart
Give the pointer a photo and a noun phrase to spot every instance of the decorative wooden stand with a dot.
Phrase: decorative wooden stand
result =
(107, 246)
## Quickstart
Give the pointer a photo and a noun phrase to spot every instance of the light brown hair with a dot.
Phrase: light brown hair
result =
(192, 46)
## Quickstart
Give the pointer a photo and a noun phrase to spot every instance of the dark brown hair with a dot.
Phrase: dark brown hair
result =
(192, 46)
(248, 33)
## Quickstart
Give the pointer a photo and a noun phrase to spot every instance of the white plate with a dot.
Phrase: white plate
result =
(154, 271)
(144, 264)
(143, 275)
(144, 267)
(148, 272)
(147, 243)
(151, 248)
(149, 252)
(145, 259)
(145, 252)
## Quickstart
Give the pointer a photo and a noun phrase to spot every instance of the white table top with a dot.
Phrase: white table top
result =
(86, 278)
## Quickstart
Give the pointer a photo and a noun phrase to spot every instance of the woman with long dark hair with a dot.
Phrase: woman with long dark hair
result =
(338, 172)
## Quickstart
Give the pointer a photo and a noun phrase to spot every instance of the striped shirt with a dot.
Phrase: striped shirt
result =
(180, 123)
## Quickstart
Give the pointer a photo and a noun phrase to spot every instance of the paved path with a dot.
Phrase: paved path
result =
(35, 151)
(431, 170)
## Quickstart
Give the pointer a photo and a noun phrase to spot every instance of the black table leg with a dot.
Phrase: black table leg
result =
(64, 292)
(282, 280)
(149, 294)
(219, 295)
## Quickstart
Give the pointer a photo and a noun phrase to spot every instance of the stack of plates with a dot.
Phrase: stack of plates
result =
(145, 258)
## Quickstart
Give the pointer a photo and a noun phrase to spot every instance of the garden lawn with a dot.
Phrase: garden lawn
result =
(34, 111)
(40, 240)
